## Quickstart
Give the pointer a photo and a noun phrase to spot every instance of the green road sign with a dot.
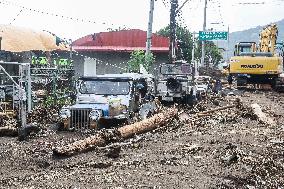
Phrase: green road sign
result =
(211, 35)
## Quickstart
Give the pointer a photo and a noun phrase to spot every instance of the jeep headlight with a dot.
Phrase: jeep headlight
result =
(95, 115)
(64, 113)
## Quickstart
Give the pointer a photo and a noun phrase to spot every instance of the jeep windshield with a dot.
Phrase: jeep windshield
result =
(104, 87)
(175, 69)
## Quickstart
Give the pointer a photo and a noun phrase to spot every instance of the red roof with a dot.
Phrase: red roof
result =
(124, 40)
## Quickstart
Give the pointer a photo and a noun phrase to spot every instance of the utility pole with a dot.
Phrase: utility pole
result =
(150, 24)
(173, 13)
(203, 42)
(149, 35)
(71, 49)
(193, 62)
(228, 43)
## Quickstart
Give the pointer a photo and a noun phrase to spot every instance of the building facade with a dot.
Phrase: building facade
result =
(111, 50)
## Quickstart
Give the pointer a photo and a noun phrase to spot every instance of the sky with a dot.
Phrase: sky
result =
(72, 19)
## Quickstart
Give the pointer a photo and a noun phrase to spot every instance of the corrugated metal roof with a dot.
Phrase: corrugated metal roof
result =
(117, 48)
(125, 40)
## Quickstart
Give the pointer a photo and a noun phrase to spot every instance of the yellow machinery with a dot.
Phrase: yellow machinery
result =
(5, 111)
(262, 66)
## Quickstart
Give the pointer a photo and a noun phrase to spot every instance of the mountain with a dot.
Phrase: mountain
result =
(249, 35)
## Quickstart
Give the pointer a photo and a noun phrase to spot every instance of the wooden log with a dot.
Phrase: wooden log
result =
(80, 145)
(148, 124)
(8, 131)
(261, 116)
(208, 112)
(122, 132)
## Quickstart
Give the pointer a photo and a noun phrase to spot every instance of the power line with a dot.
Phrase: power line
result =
(252, 3)
(4, 2)
(16, 17)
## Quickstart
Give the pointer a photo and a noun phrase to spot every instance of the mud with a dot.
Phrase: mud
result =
(226, 150)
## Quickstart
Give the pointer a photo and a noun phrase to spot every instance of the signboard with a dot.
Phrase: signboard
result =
(212, 35)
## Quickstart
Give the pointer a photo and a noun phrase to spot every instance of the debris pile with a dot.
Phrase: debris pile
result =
(211, 71)
(43, 115)
(8, 122)
(265, 172)
(222, 142)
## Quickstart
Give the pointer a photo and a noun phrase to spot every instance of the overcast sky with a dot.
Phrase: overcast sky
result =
(98, 15)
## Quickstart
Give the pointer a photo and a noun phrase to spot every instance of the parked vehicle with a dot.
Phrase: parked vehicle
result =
(202, 84)
(175, 83)
(115, 97)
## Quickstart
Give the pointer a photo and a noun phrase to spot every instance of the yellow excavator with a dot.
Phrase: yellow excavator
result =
(259, 65)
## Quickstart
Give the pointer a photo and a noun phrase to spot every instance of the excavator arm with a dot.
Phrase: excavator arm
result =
(267, 38)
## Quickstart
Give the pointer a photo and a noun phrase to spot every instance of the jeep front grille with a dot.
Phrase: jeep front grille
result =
(80, 119)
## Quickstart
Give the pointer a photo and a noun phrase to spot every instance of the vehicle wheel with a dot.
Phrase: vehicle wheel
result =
(190, 100)
(241, 83)
(277, 85)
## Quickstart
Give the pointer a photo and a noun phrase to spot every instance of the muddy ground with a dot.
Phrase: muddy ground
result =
(228, 150)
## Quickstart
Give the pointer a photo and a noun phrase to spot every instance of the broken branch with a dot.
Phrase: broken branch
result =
(208, 112)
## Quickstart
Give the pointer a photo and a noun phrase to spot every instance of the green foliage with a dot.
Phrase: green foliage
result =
(184, 41)
(138, 57)
(185, 44)
(57, 99)
(212, 53)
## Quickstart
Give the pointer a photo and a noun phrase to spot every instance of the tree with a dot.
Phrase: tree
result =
(184, 41)
(138, 57)
(185, 44)
(212, 53)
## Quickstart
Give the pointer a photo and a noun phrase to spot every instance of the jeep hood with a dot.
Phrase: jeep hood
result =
(103, 99)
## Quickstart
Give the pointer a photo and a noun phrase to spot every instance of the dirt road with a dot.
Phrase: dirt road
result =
(232, 151)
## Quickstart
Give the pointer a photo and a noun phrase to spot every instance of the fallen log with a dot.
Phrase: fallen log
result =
(261, 116)
(148, 124)
(208, 112)
(8, 131)
(103, 138)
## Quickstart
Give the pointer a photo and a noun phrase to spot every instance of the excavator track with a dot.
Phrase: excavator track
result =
(279, 84)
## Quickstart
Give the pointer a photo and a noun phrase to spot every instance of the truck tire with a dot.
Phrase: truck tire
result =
(190, 100)
(278, 85)
(241, 82)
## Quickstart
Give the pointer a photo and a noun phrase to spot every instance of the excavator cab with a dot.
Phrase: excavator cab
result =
(244, 47)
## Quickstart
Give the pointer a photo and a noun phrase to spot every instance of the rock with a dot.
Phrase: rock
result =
(113, 152)
(216, 102)
(184, 117)
(230, 158)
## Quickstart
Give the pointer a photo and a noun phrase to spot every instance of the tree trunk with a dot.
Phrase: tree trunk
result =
(124, 132)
